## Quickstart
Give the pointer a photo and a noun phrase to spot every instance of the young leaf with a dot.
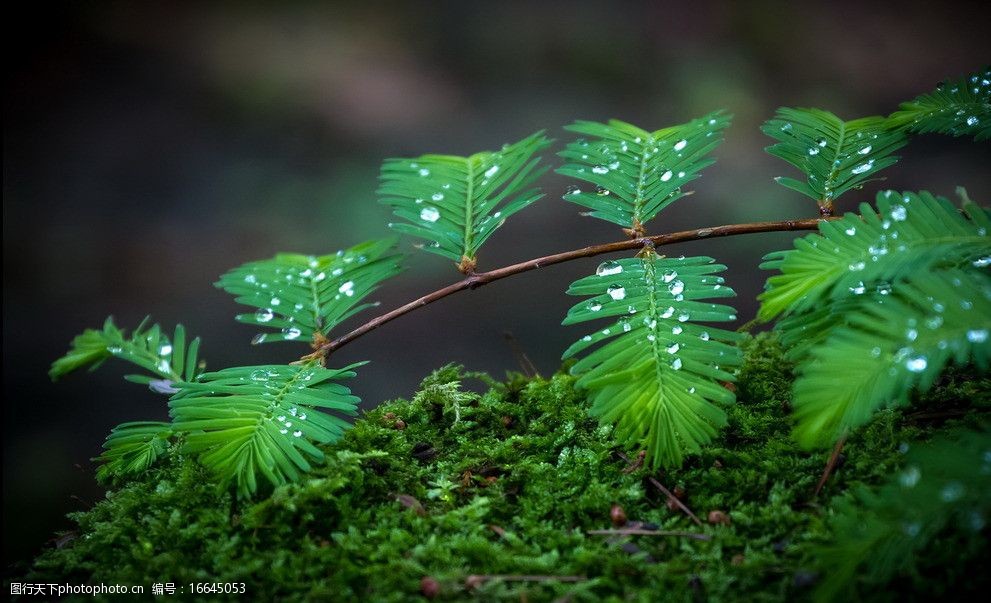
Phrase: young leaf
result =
(836, 156)
(908, 233)
(657, 374)
(133, 447)
(960, 107)
(637, 173)
(150, 349)
(890, 345)
(301, 296)
(456, 203)
(251, 420)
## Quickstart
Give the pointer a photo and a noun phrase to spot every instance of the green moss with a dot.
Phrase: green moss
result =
(508, 482)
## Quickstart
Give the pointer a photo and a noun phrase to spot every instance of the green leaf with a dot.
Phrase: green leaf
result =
(834, 155)
(300, 296)
(960, 107)
(166, 361)
(456, 203)
(944, 485)
(133, 447)
(262, 420)
(908, 233)
(637, 173)
(657, 373)
(889, 345)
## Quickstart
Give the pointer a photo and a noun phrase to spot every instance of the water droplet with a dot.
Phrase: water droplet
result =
(851, 231)
(860, 169)
(668, 276)
(680, 144)
(600, 169)
(912, 529)
(437, 196)
(982, 262)
(626, 327)
(617, 292)
(858, 289)
(676, 365)
(250, 279)
(704, 336)
(972, 120)
(491, 171)
(911, 335)
(594, 306)
(347, 289)
(259, 376)
(668, 313)
(916, 364)
(814, 151)
(297, 433)
(952, 491)
(856, 267)
(609, 268)
(165, 350)
(666, 176)
(429, 214)
(910, 477)
(676, 330)
(865, 150)
(673, 348)
(424, 171)
(291, 332)
(884, 288)
(977, 335)
(875, 352)
(676, 287)
(264, 315)
(683, 317)
(898, 213)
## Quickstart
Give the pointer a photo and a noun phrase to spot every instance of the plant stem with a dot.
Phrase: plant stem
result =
(473, 281)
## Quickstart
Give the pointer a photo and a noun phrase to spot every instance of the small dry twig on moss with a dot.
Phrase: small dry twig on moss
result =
(644, 532)
(831, 464)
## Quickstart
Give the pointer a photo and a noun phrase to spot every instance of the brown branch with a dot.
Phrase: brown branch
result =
(473, 281)
(675, 500)
(831, 464)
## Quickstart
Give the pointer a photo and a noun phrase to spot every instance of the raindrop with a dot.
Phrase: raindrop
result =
(704, 336)
(977, 335)
(673, 348)
(347, 289)
(424, 172)
(437, 196)
(860, 169)
(264, 315)
(668, 276)
(491, 171)
(684, 317)
(814, 151)
(666, 176)
(676, 330)
(600, 169)
(165, 350)
(916, 364)
(676, 365)
(865, 150)
(668, 313)
(910, 477)
(972, 120)
(676, 287)
(953, 491)
(291, 332)
(609, 268)
(851, 231)
(617, 292)
(594, 306)
(898, 213)
(429, 214)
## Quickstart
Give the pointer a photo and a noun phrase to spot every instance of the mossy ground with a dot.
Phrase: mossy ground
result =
(508, 482)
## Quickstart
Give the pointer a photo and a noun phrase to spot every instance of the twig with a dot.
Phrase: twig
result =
(831, 464)
(473, 281)
(675, 500)
(643, 532)
(526, 365)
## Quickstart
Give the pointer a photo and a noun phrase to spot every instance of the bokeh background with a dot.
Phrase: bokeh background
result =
(149, 147)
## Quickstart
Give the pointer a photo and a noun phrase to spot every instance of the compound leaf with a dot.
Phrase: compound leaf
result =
(960, 107)
(835, 156)
(637, 173)
(456, 203)
(657, 373)
(305, 296)
(262, 420)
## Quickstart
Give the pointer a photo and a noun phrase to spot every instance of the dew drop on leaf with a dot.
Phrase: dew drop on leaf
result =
(429, 214)
(680, 144)
(617, 292)
(609, 268)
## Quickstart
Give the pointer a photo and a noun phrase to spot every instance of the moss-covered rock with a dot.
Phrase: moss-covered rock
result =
(445, 491)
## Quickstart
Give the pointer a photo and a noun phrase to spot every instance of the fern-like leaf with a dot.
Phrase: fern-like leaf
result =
(305, 296)
(262, 420)
(657, 374)
(908, 233)
(960, 107)
(637, 173)
(133, 447)
(890, 345)
(835, 156)
(148, 348)
(456, 203)
(944, 486)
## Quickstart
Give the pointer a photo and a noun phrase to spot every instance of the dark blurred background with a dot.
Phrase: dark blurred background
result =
(149, 147)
